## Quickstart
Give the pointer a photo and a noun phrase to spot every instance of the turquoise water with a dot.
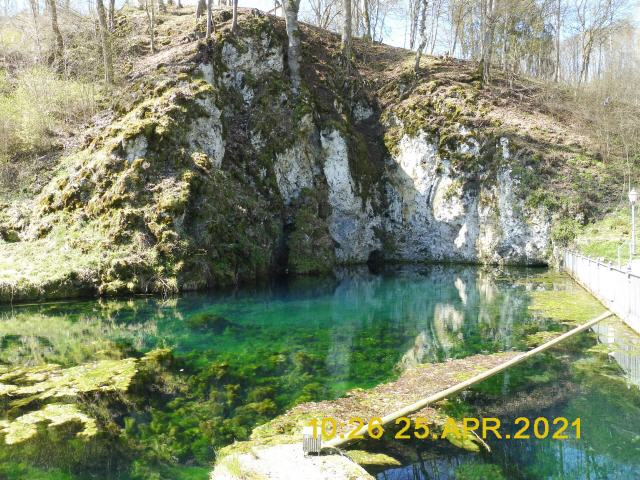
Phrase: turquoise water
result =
(236, 359)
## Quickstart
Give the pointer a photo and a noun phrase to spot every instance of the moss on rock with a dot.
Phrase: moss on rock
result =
(311, 248)
(25, 427)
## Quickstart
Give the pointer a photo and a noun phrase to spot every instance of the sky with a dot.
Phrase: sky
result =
(395, 34)
(396, 26)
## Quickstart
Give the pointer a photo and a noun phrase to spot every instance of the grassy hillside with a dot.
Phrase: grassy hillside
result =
(607, 238)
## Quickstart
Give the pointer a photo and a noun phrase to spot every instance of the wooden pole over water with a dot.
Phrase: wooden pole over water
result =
(420, 404)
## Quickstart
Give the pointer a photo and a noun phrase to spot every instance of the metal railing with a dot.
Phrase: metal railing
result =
(616, 287)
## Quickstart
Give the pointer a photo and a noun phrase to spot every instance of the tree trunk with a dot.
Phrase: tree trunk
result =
(346, 32)
(112, 14)
(290, 8)
(106, 43)
(556, 75)
(35, 12)
(234, 23)
(35, 8)
(415, 15)
(58, 49)
(151, 17)
(456, 27)
(201, 8)
(209, 18)
(423, 30)
(487, 41)
(586, 60)
(435, 27)
(367, 19)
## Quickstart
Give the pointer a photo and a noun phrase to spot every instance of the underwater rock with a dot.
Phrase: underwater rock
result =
(22, 388)
(51, 381)
(206, 321)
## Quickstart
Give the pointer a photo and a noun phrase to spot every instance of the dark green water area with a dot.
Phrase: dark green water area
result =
(151, 388)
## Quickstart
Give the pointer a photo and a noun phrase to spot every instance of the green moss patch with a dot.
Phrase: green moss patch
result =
(572, 306)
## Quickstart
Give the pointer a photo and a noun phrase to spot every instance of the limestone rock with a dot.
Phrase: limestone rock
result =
(287, 462)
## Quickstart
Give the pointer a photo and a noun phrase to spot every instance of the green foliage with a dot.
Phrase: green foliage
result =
(479, 471)
(21, 471)
(35, 106)
(564, 231)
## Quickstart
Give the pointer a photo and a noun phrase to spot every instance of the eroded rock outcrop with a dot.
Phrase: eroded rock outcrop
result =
(217, 174)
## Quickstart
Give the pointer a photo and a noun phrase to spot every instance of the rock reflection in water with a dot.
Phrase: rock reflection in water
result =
(241, 357)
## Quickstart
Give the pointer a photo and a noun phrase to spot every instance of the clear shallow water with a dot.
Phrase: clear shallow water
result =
(598, 384)
(240, 358)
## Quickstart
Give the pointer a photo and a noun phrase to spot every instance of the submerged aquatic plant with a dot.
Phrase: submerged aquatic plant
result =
(26, 426)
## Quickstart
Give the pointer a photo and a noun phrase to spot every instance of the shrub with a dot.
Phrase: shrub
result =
(36, 107)
(564, 232)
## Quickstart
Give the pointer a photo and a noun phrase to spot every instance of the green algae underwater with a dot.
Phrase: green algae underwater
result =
(151, 388)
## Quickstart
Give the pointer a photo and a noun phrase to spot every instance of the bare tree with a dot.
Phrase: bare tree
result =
(151, 19)
(489, 22)
(291, 8)
(414, 15)
(201, 7)
(35, 8)
(234, 23)
(366, 17)
(35, 13)
(594, 17)
(105, 42)
(556, 73)
(324, 12)
(58, 49)
(346, 31)
(209, 18)
(424, 5)
(437, 6)
(112, 14)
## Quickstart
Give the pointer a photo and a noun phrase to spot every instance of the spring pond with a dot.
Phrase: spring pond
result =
(157, 386)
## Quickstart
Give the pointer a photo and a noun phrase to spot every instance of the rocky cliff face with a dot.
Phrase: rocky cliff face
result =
(215, 174)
